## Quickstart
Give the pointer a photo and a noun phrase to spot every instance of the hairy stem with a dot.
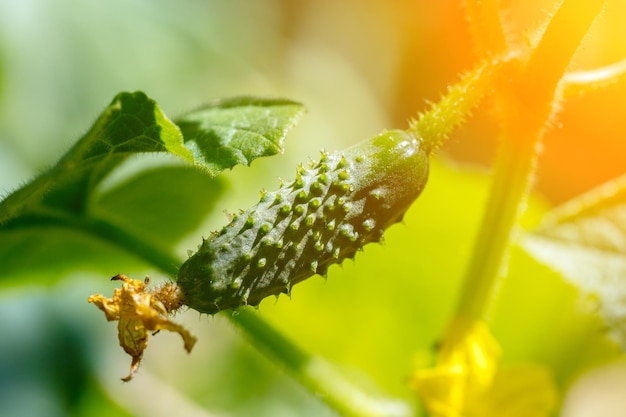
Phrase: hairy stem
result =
(526, 108)
(13, 204)
(435, 125)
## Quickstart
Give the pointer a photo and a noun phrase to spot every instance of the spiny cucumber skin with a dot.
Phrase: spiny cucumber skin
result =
(328, 213)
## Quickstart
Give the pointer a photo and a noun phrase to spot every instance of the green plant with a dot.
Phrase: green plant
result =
(466, 375)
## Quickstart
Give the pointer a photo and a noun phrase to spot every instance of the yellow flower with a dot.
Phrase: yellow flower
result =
(467, 381)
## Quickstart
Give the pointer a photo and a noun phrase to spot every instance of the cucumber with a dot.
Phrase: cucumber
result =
(325, 215)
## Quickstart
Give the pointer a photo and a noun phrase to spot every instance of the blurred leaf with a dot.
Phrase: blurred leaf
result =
(595, 220)
(540, 317)
(47, 353)
(46, 253)
(585, 241)
(238, 130)
(43, 359)
(163, 205)
(593, 271)
(96, 403)
(2, 73)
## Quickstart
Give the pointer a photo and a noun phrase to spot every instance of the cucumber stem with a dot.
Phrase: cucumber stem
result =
(435, 125)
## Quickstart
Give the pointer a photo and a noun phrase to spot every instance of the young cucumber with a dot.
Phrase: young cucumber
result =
(328, 213)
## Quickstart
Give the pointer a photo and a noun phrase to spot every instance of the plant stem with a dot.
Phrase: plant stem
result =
(155, 256)
(527, 107)
(14, 203)
(319, 376)
(512, 174)
(434, 126)
(561, 39)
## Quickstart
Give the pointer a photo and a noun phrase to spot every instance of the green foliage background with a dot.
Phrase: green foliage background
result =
(60, 62)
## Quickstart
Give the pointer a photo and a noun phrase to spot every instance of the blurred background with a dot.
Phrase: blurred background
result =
(359, 67)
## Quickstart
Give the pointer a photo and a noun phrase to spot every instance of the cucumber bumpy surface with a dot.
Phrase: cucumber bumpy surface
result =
(328, 213)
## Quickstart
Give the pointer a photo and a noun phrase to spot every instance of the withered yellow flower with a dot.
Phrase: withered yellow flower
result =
(140, 311)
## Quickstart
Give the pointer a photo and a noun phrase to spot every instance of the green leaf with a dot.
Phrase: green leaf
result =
(162, 205)
(595, 220)
(238, 130)
(585, 241)
(540, 317)
(132, 123)
(217, 136)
